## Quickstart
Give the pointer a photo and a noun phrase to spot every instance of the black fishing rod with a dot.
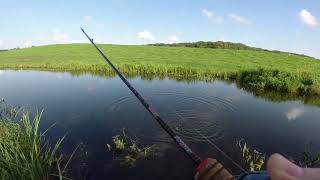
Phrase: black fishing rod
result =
(195, 158)
(217, 171)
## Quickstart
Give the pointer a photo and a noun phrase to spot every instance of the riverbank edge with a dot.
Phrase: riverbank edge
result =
(259, 79)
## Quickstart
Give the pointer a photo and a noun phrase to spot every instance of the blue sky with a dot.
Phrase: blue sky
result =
(289, 25)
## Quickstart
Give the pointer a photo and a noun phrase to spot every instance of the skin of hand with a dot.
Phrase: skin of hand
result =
(279, 168)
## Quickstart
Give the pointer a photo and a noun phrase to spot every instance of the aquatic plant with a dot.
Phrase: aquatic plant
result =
(252, 160)
(7, 112)
(119, 144)
(24, 152)
(129, 151)
(309, 158)
(137, 153)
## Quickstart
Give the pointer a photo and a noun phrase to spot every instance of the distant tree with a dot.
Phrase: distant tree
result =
(208, 44)
(220, 45)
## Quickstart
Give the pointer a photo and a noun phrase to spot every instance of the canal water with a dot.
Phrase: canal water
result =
(90, 110)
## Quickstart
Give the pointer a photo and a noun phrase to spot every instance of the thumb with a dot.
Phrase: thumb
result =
(280, 168)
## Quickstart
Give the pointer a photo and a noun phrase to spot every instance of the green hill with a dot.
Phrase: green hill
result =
(261, 70)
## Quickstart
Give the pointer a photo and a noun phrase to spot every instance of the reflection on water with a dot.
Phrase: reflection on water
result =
(295, 113)
(280, 97)
(91, 109)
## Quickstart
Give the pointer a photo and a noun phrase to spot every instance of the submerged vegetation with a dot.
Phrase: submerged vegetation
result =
(252, 160)
(262, 70)
(309, 158)
(129, 151)
(24, 152)
(119, 144)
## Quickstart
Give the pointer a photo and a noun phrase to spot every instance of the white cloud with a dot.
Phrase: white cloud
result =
(239, 19)
(146, 36)
(307, 18)
(59, 37)
(211, 16)
(88, 19)
(1, 72)
(294, 113)
(207, 13)
(173, 39)
(26, 45)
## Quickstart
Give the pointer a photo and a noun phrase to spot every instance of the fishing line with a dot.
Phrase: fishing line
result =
(214, 145)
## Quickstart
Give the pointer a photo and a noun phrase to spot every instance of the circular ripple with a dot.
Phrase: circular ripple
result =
(116, 104)
(196, 126)
(192, 118)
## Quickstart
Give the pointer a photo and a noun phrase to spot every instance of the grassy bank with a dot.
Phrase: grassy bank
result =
(24, 154)
(279, 71)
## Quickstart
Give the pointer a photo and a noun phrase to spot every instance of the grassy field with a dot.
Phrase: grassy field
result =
(277, 71)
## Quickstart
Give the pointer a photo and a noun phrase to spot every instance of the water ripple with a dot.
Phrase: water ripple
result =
(189, 115)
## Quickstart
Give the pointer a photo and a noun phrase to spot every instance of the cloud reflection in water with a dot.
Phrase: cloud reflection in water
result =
(294, 113)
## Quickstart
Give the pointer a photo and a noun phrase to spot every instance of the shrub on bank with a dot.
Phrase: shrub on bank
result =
(276, 80)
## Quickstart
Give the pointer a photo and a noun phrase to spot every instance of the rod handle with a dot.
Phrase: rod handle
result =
(211, 169)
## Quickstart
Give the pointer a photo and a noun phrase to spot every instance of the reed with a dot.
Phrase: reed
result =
(24, 152)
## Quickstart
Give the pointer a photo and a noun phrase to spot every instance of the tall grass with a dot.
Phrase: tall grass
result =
(24, 152)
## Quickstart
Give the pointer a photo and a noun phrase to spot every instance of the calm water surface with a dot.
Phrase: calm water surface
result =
(91, 109)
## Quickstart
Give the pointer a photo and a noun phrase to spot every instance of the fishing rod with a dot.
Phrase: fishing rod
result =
(214, 169)
(195, 158)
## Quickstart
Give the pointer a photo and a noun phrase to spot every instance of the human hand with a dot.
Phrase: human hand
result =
(279, 168)
(212, 169)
